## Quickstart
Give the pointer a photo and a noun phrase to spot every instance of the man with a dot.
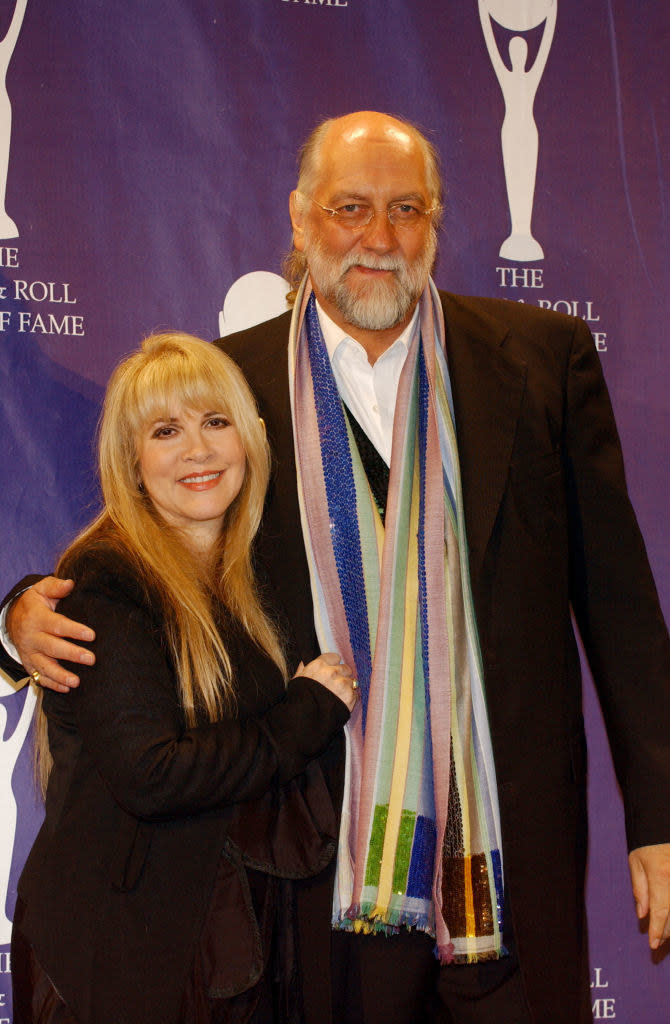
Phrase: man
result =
(449, 480)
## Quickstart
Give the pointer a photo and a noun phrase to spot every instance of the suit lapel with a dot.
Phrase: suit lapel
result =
(488, 387)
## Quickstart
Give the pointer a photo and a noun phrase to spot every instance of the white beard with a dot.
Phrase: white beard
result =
(374, 305)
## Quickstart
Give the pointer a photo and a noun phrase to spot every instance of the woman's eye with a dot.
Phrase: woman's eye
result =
(218, 421)
(163, 432)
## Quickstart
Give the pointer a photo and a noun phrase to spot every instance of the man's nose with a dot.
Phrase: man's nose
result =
(379, 234)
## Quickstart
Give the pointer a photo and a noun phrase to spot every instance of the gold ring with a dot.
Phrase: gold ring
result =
(35, 676)
(354, 684)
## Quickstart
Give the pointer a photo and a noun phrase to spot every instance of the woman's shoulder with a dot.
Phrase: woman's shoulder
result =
(106, 570)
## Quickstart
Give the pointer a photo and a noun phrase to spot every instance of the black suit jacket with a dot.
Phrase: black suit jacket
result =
(551, 532)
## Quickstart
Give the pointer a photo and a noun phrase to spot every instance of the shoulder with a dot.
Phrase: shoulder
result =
(526, 333)
(506, 314)
(259, 343)
(103, 571)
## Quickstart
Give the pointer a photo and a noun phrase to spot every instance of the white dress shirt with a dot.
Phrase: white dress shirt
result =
(368, 391)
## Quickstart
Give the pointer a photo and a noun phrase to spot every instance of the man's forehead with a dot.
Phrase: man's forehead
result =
(368, 157)
(388, 132)
(368, 131)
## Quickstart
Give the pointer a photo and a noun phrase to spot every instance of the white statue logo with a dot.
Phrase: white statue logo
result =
(8, 228)
(519, 131)
(10, 748)
(251, 300)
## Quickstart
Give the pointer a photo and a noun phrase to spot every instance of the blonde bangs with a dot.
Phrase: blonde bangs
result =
(176, 378)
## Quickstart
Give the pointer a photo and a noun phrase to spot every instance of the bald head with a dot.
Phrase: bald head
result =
(335, 139)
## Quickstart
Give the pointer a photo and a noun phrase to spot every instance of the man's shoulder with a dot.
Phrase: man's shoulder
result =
(258, 343)
(507, 312)
(517, 326)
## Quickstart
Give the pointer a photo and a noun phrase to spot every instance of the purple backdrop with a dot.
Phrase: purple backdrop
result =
(151, 154)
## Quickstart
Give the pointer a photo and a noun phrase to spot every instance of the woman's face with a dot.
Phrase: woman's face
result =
(192, 466)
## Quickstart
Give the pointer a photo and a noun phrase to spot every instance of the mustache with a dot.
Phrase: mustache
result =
(370, 262)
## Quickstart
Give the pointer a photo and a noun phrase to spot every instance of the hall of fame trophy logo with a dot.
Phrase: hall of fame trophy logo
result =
(11, 746)
(8, 228)
(252, 299)
(519, 131)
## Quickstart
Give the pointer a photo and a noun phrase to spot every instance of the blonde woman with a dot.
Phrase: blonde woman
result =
(182, 780)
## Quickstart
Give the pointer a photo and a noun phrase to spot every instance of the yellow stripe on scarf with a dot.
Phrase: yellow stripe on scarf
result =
(405, 707)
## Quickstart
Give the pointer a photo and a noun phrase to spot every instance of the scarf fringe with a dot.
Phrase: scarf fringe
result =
(391, 923)
(448, 955)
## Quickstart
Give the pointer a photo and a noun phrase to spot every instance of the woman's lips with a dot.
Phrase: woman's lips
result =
(201, 481)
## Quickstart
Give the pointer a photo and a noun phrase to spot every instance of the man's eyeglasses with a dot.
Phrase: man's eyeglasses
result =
(358, 214)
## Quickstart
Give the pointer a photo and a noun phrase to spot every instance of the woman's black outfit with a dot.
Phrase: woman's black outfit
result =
(155, 892)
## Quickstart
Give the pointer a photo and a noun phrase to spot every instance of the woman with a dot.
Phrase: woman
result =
(182, 781)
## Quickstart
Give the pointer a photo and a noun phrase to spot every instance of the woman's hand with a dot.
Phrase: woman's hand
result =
(332, 673)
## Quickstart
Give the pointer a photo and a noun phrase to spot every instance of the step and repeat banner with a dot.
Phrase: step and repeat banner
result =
(146, 156)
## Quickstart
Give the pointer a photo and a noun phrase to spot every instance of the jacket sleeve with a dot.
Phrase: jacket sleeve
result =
(13, 669)
(615, 601)
(130, 722)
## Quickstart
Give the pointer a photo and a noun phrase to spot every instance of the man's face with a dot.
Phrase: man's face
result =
(370, 277)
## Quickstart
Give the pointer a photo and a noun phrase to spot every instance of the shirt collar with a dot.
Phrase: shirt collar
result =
(335, 336)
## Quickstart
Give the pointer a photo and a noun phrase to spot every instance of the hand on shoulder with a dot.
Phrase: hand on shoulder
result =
(42, 635)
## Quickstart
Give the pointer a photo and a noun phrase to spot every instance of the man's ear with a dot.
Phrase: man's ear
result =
(297, 211)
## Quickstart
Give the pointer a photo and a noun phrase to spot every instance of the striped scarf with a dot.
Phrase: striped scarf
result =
(420, 834)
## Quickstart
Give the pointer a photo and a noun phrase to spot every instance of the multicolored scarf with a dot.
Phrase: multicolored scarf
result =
(420, 833)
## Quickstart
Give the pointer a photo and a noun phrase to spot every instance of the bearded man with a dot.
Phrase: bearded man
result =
(449, 490)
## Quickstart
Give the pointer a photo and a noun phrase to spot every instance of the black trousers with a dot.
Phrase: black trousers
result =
(377, 979)
(36, 1000)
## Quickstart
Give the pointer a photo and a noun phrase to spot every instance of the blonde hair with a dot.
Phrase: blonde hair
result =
(294, 264)
(177, 369)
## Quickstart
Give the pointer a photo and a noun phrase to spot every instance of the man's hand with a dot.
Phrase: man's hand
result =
(36, 630)
(650, 874)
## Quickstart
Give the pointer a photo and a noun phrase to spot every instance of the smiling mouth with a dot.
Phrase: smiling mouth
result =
(201, 478)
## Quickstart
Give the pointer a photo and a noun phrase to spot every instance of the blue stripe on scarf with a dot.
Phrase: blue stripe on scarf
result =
(423, 589)
(496, 864)
(422, 864)
(420, 879)
(341, 495)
